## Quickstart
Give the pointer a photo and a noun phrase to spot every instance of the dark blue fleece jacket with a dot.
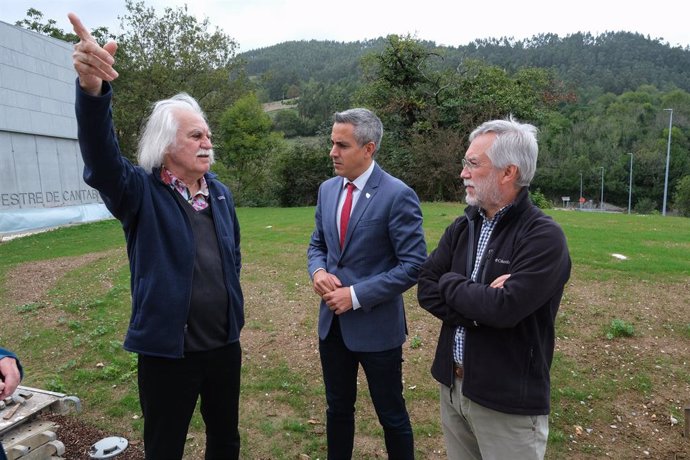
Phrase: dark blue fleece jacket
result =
(160, 241)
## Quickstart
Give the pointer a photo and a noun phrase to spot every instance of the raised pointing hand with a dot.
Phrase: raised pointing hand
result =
(92, 62)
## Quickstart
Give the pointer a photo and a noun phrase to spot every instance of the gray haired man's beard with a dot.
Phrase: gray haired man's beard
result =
(485, 194)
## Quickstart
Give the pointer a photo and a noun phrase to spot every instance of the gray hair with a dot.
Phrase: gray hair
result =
(160, 130)
(367, 126)
(515, 144)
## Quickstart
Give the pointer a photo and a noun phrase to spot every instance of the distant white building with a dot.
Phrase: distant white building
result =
(41, 183)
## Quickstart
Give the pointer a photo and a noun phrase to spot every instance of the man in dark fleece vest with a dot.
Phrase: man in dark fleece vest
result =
(495, 281)
(183, 243)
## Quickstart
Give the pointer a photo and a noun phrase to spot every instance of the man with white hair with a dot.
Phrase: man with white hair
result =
(183, 243)
(495, 281)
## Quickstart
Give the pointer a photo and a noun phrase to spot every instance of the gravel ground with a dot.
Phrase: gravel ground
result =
(79, 437)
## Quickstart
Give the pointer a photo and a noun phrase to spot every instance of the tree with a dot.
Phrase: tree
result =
(435, 166)
(582, 138)
(428, 111)
(397, 84)
(246, 145)
(34, 21)
(299, 171)
(287, 121)
(681, 199)
(320, 100)
(400, 86)
(161, 56)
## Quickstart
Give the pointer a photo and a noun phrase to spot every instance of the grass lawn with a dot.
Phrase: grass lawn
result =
(619, 379)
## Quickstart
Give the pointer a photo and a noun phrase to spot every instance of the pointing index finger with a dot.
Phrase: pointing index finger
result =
(79, 29)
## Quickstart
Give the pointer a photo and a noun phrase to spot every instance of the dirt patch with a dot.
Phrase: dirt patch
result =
(43, 275)
(279, 105)
(648, 368)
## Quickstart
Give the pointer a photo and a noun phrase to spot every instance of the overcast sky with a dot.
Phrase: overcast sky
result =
(260, 23)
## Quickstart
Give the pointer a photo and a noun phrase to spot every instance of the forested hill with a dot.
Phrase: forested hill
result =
(322, 60)
(614, 62)
(611, 62)
(291, 63)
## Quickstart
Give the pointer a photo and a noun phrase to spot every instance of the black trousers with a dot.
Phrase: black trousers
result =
(383, 370)
(168, 393)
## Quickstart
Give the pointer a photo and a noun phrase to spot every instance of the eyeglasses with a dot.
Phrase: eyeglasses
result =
(470, 164)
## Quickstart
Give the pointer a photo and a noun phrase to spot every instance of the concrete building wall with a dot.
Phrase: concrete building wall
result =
(40, 163)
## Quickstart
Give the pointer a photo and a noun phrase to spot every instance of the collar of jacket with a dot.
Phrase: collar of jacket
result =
(156, 172)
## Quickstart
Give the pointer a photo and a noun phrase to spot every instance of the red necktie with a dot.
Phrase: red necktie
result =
(345, 213)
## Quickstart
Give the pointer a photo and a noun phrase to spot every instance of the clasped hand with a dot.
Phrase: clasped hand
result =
(332, 291)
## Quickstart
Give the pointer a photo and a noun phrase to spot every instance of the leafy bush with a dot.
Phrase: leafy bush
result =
(645, 206)
(292, 125)
(299, 172)
(682, 197)
(619, 328)
(539, 199)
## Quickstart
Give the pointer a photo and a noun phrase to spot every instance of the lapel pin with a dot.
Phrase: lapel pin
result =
(368, 195)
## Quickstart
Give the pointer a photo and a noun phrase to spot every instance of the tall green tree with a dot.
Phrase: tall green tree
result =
(428, 110)
(246, 146)
(400, 86)
(160, 56)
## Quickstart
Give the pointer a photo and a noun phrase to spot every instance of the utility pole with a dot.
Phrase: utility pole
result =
(601, 201)
(668, 159)
(630, 184)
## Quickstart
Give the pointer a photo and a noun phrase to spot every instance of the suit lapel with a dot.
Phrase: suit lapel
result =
(330, 210)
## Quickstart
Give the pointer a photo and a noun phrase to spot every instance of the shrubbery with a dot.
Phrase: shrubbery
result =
(298, 173)
(539, 199)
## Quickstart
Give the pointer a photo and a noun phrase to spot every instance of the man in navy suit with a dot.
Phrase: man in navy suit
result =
(360, 269)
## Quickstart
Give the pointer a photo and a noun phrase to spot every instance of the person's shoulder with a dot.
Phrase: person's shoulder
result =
(215, 186)
(392, 181)
(460, 222)
(536, 221)
(332, 182)
(213, 180)
(6, 354)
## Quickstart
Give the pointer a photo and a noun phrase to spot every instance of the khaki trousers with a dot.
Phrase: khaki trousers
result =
(472, 431)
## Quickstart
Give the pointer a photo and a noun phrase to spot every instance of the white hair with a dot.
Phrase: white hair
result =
(160, 130)
(515, 144)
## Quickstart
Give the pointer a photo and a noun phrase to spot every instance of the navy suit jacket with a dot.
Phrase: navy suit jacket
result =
(383, 252)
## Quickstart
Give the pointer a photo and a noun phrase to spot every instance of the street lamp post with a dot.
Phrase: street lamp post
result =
(630, 184)
(601, 201)
(580, 200)
(668, 158)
